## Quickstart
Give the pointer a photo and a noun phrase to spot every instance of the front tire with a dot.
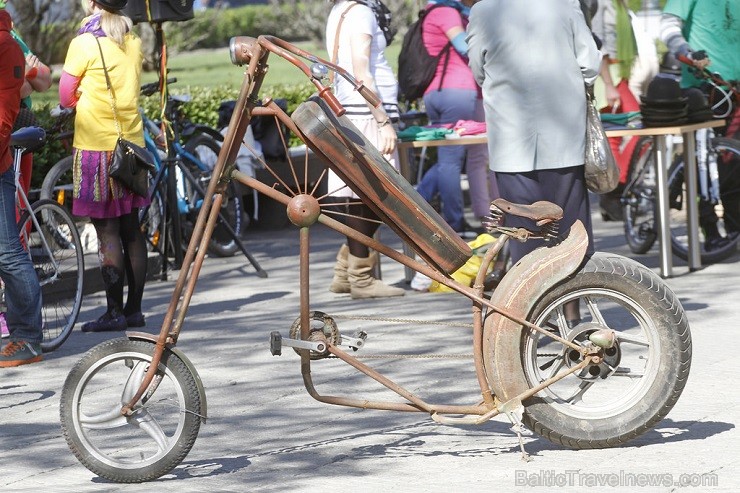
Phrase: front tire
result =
(727, 211)
(206, 149)
(158, 435)
(60, 268)
(638, 198)
(642, 375)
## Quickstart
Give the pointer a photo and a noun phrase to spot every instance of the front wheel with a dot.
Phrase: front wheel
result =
(50, 236)
(640, 377)
(719, 231)
(206, 149)
(638, 198)
(150, 442)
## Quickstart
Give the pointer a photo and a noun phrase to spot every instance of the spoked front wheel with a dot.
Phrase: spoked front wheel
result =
(54, 246)
(160, 432)
(223, 244)
(719, 231)
(638, 199)
(639, 378)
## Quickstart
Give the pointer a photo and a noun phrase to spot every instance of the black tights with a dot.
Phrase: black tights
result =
(122, 251)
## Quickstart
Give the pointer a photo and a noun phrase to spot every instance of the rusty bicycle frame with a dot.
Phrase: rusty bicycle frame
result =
(507, 309)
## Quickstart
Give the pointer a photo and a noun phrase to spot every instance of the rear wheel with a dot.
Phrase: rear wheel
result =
(223, 244)
(57, 185)
(640, 377)
(56, 253)
(638, 199)
(160, 432)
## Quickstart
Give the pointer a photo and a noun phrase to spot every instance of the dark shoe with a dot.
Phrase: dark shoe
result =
(135, 320)
(17, 353)
(610, 206)
(107, 323)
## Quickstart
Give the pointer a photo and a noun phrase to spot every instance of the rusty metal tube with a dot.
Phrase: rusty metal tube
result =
(160, 344)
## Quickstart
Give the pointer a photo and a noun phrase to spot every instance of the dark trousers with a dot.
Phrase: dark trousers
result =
(564, 187)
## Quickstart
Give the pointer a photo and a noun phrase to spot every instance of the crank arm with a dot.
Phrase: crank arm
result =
(277, 342)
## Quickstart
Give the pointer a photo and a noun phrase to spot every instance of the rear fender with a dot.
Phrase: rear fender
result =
(524, 284)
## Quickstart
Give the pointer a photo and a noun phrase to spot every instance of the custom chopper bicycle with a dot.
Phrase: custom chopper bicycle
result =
(131, 408)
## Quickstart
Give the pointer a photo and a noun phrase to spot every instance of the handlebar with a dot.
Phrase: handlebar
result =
(707, 74)
(242, 48)
(153, 87)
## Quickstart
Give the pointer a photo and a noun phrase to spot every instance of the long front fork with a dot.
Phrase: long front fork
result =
(206, 222)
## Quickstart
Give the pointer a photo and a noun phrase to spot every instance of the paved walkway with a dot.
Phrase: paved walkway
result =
(265, 433)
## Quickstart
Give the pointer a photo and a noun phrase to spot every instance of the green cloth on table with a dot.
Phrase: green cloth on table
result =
(422, 133)
(619, 118)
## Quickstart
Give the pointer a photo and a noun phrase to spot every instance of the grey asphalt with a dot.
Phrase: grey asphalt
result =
(265, 433)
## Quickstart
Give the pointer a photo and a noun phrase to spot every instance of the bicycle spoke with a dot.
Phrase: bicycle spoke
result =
(593, 309)
(627, 372)
(632, 339)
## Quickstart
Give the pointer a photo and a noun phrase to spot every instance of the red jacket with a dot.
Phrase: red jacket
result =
(12, 75)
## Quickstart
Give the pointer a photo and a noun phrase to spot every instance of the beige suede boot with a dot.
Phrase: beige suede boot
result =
(363, 284)
(340, 282)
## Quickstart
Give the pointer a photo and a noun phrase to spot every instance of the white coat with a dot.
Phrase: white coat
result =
(532, 58)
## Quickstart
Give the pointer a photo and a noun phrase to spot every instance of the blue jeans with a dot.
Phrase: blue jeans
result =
(448, 106)
(22, 290)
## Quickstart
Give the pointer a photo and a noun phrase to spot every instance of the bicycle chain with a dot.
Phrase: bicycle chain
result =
(401, 320)
(407, 321)
(413, 321)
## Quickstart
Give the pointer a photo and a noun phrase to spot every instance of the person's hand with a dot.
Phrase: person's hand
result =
(32, 61)
(387, 139)
(700, 59)
(612, 96)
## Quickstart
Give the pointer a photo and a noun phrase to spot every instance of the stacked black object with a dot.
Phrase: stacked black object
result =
(664, 105)
(699, 110)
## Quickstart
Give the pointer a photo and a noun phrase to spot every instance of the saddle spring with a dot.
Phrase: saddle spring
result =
(494, 222)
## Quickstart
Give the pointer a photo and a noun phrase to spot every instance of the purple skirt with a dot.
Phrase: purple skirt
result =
(96, 194)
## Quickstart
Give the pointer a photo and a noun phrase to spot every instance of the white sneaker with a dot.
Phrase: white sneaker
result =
(420, 282)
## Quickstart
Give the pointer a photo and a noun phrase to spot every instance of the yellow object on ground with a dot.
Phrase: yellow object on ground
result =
(466, 274)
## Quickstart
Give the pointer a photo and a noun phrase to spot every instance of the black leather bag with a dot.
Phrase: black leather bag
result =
(131, 165)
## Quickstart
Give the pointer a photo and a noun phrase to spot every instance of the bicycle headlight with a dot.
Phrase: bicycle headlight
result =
(241, 49)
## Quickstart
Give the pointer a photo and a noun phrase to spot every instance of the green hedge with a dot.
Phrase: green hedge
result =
(213, 28)
(203, 108)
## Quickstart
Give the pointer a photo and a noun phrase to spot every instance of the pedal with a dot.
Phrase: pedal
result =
(277, 342)
(355, 342)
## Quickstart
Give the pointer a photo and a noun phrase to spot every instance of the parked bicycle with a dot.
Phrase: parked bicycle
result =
(192, 147)
(49, 234)
(718, 160)
(132, 407)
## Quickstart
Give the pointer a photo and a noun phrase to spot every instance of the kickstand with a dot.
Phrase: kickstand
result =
(514, 410)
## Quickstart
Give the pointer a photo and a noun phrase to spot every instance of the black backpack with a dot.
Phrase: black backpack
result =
(416, 67)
